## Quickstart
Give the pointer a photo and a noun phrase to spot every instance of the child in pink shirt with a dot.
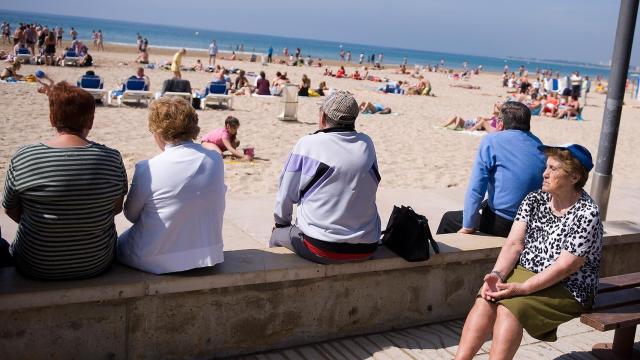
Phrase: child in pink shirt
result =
(224, 139)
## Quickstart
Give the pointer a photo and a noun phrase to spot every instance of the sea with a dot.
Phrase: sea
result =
(163, 36)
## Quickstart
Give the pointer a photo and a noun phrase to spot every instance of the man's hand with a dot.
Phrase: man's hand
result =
(466, 231)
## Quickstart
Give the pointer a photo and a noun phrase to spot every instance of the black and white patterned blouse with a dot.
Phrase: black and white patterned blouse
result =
(578, 231)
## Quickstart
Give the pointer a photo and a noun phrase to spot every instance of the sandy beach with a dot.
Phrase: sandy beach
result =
(412, 151)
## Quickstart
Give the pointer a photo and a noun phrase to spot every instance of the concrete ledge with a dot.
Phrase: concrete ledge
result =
(258, 299)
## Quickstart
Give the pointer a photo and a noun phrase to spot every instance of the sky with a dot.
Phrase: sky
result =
(578, 30)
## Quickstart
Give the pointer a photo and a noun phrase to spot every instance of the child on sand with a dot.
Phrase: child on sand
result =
(224, 139)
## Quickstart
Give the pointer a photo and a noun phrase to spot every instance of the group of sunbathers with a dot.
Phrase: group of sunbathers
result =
(544, 99)
(421, 87)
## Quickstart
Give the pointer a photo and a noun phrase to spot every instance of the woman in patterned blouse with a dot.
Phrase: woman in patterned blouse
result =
(547, 271)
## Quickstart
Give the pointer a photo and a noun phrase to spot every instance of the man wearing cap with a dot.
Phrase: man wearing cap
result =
(508, 166)
(332, 176)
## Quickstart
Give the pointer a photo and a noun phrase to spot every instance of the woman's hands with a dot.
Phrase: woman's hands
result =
(494, 289)
(490, 286)
(509, 290)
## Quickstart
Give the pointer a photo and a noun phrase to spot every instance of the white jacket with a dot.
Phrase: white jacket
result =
(333, 177)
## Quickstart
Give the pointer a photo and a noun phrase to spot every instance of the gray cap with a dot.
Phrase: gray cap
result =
(341, 107)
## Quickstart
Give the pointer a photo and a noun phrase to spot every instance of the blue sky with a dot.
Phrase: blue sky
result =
(581, 30)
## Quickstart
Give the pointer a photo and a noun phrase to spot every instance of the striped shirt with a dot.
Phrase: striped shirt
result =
(67, 196)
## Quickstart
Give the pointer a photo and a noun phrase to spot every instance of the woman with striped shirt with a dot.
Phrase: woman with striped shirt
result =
(64, 194)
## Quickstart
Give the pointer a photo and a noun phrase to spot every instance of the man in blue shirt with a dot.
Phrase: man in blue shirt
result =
(508, 166)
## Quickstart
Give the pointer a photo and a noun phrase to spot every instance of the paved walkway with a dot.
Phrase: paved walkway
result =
(440, 341)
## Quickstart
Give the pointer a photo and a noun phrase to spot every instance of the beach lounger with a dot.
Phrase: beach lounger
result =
(93, 85)
(184, 95)
(563, 83)
(176, 88)
(23, 55)
(217, 93)
(71, 58)
(134, 90)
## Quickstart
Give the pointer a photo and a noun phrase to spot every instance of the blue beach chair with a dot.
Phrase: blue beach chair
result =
(134, 90)
(217, 92)
(93, 84)
(71, 58)
(23, 55)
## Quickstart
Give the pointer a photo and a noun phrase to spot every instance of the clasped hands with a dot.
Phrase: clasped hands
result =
(494, 289)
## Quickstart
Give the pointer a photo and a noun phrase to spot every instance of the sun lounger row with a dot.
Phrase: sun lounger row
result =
(136, 90)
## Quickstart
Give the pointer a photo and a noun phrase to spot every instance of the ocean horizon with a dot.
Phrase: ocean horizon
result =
(173, 37)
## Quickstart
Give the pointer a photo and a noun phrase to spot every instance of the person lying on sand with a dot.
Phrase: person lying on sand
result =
(478, 124)
(11, 71)
(466, 86)
(374, 108)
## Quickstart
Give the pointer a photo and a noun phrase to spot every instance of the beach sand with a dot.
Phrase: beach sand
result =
(412, 151)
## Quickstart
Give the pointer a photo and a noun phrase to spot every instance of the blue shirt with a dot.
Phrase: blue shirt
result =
(508, 166)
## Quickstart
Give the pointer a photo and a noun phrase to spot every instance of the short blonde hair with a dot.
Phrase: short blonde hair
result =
(174, 119)
(570, 165)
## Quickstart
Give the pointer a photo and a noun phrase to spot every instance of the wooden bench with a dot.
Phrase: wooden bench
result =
(617, 307)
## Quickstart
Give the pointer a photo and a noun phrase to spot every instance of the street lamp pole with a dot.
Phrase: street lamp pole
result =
(602, 177)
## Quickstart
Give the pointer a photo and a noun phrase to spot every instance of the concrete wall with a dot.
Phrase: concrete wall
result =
(258, 300)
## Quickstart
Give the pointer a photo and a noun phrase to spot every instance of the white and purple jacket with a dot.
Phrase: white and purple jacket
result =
(332, 175)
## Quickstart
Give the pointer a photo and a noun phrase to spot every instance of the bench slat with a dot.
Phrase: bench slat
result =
(613, 283)
(613, 318)
(616, 299)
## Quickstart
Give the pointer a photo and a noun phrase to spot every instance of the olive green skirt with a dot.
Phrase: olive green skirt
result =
(542, 312)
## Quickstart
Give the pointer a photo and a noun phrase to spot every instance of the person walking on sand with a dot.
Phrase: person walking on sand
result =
(270, 55)
(100, 40)
(94, 38)
(59, 35)
(6, 32)
(176, 64)
(213, 52)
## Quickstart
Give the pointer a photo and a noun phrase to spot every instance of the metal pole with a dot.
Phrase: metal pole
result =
(602, 177)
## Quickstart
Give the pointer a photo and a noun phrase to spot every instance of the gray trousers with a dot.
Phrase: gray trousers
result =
(291, 238)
